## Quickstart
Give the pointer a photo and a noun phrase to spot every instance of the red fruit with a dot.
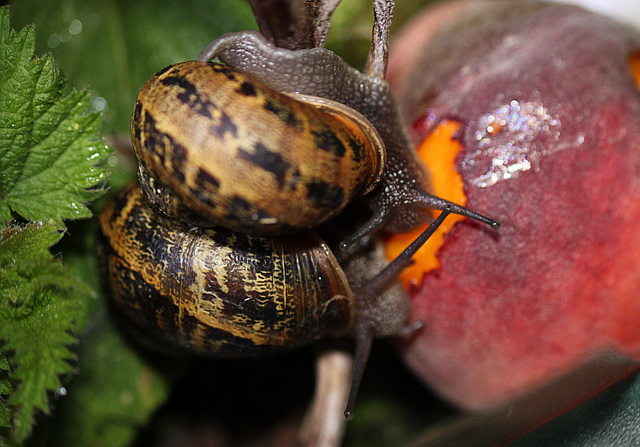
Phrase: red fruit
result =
(549, 141)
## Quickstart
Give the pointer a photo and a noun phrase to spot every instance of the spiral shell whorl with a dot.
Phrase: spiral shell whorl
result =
(246, 157)
(219, 292)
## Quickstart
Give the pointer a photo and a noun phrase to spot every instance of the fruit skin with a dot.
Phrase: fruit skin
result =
(559, 282)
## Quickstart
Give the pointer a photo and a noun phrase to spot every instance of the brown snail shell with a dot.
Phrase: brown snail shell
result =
(218, 292)
(249, 158)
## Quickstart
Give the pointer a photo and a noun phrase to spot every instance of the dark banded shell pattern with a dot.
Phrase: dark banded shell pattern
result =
(249, 158)
(218, 292)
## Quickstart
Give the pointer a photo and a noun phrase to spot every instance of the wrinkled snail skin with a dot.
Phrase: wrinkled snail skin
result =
(401, 201)
(246, 157)
(217, 292)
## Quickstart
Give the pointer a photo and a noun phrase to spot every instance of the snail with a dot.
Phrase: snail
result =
(215, 249)
(401, 201)
(222, 293)
(242, 156)
(278, 141)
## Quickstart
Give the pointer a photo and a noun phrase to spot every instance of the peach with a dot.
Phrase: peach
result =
(546, 138)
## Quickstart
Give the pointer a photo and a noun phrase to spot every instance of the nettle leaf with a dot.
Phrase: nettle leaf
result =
(41, 306)
(49, 155)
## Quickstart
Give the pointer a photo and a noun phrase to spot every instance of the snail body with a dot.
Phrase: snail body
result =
(245, 157)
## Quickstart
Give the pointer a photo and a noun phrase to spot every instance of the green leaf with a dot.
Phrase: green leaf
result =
(41, 306)
(5, 416)
(115, 394)
(48, 150)
(5, 389)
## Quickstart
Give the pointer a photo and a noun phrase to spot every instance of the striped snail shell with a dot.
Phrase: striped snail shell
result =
(246, 157)
(218, 292)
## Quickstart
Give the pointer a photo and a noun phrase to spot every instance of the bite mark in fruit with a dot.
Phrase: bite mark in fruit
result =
(634, 67)
(438, 151)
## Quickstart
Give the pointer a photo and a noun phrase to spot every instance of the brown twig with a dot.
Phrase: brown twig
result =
(379, 54)
(287, 23)
(324, 424)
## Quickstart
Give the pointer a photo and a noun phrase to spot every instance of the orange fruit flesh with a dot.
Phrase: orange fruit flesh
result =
(438, 151)
(634, 66)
